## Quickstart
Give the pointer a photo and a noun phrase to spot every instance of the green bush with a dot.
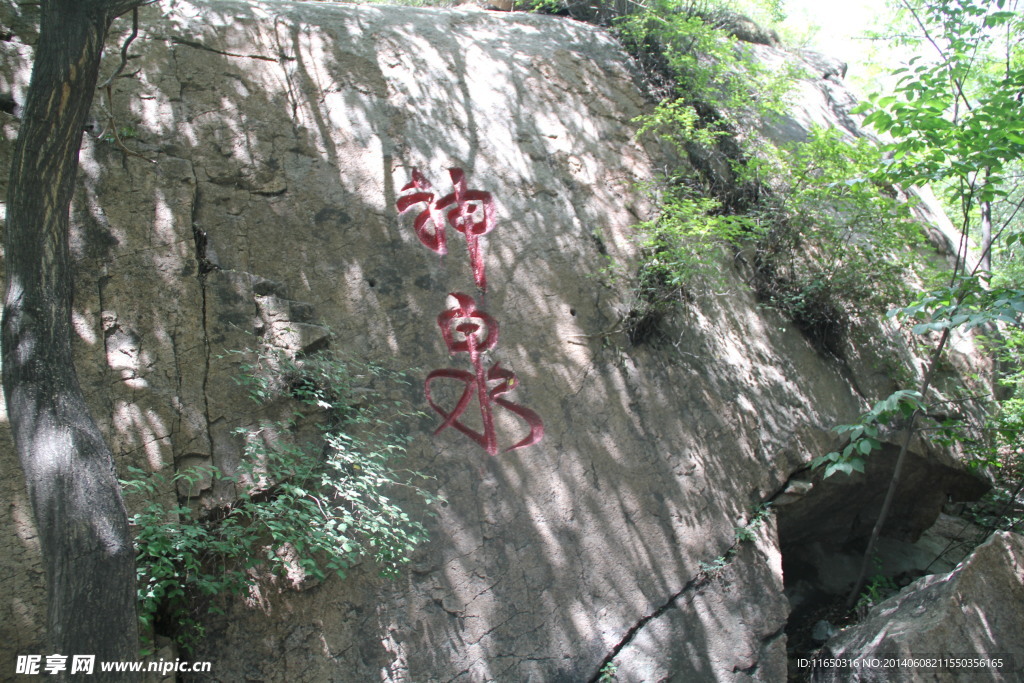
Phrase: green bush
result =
(827, 243)
(317, 495)
(863, 436)
(1003, 449)
(684, 245)
(715, 81)
(877, 589)
(839, 245)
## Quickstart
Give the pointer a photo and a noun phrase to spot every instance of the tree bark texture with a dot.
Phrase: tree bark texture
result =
(81, 520)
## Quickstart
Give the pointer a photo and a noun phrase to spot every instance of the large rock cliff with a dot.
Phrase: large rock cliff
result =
(269, 144)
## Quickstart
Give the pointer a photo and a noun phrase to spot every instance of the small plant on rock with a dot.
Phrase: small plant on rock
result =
(748, 532)
(607, 673)
(715, 566)
(878, 588)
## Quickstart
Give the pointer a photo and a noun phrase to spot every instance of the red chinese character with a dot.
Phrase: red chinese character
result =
(464, 327)
(467, 329)
(429, 224)
(472, 215)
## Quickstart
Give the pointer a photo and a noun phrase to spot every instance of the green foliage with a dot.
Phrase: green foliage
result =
(841, 245)
(173, 556)
(1011, 357)
(957, 120)
(686, 241)
(715, 566)
(775, 10)
(998, 509)
(863, 436)
(712, 85)
(405, 3)
(339, 483)
(540, 6)
(828, 244)
(607, 673)
(678, 122)
(1007, 426)
(956, 115)
(120, 132)
(1008, 219)
(1003, 450)
(317, 495)
(716, 82)
(968, 303)
(748, 532)
(878, 588)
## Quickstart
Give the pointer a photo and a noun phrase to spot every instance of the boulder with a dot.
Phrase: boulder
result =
(964, 625)
(269, 143)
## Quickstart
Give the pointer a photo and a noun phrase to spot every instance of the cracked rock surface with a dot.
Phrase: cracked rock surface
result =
(269, 141)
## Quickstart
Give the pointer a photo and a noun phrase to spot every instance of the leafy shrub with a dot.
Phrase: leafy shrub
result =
(1003, 449)
(684, 244)
(825, 244)
(748, 532)
(316, 496)
(607, 673)
(828, 244)
(715, 82)
(840, 245)
(999, 509)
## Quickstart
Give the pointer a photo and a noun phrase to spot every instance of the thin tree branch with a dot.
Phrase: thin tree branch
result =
(124, 52)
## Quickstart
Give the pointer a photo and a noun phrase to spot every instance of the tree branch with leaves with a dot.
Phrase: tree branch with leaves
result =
(956, 121)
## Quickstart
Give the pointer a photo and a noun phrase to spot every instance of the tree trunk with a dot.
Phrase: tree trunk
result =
(80, 516)
(985, 263)
(894, 481)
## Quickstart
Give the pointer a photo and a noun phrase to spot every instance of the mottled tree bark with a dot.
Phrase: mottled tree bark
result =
(80, 516)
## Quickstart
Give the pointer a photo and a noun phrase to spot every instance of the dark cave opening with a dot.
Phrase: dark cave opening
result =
(824, 526)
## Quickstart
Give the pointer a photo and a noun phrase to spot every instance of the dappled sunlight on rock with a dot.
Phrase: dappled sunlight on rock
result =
(270, 142)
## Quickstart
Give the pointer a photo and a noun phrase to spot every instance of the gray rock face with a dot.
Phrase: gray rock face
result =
(971, 613)
(270, 141)
(819, 99)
